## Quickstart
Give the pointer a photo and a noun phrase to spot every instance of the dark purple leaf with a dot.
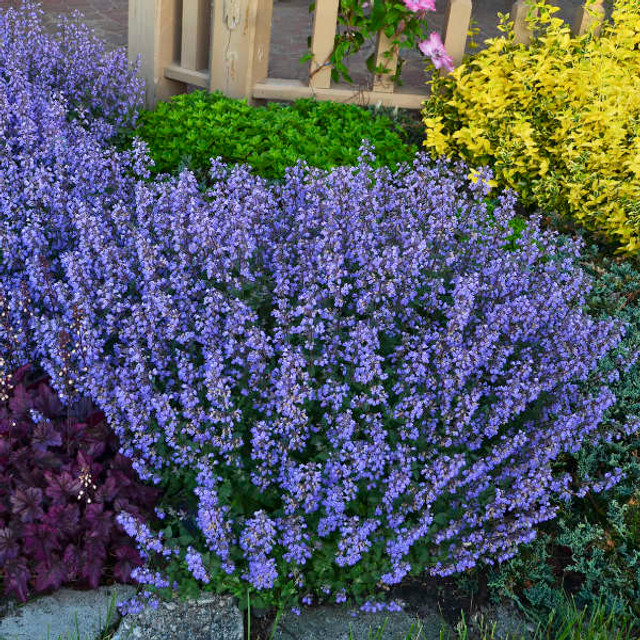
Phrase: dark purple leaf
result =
(26, 504)
(16, 578)
(128, 558)
(66, 518)
(73, 435)
(72, 559)
(94, 448)
(40, 540)
(123, 478)
(108, 490)
(20, 374)
(51, 574)
(46, 401)
(44, 436)
(20, 402)
(93, 557)
(62, 487)
(100, 523)
(9, 547)
(45, 459)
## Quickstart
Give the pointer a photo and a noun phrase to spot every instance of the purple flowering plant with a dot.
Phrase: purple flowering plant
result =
(63, 99)
(336, 381)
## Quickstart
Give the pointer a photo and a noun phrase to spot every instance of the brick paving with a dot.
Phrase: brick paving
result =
(291, 27)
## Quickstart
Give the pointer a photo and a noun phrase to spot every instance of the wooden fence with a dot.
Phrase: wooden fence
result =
(224, 45)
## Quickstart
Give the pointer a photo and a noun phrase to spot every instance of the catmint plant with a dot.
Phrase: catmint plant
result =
(341, 380)
(62, 101)
(336, 381)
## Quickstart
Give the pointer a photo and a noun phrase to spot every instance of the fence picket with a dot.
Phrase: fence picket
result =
(196, 17)
(456, 28)
(382, 81)
(153, 36)
(521, 31)
(589, 17)
(325, 19)
(240, 46)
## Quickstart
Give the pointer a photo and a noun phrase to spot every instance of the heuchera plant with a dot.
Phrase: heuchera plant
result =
(337, 381)
(62, 483)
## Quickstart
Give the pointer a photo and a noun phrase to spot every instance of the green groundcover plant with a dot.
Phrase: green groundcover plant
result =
(190, 129)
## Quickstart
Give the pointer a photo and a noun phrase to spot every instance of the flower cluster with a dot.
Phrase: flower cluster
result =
(349, 360)
(336, 380)
(404, 23)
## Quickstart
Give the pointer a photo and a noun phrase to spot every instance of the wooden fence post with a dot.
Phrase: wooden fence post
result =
(240, 46)
(382, 81)
(589, 16)
(153, 36)
(521, 31)
(325, 19)
(196, 18)
(456, 28)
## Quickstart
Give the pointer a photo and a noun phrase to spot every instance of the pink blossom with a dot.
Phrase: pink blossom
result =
(434, 49)
(420, 5)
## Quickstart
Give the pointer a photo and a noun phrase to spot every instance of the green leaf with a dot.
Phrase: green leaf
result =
(370, 62)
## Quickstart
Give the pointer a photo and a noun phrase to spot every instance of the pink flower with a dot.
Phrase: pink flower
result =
(434, 49)
(420, 5)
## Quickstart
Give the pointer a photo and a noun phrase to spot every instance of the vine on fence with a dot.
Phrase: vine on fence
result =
(403, 22)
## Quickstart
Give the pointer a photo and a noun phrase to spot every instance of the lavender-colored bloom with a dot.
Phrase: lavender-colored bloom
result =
(194, 563)
(347, 342)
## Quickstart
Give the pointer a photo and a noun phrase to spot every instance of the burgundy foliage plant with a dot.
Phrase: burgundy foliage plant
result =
(62, 483)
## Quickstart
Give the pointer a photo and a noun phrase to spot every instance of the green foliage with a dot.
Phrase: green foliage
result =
(362, 21)
(409, 120)
(592, 549)
(191, 128)
(558, 121)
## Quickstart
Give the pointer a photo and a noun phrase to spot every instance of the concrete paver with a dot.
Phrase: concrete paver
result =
(66, 614)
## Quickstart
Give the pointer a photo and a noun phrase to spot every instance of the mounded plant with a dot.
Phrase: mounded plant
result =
(336, 381)
(190, 129)
(62, 484)
(557, 120)
(591, 550)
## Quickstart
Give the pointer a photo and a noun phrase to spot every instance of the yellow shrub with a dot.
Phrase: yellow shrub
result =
(558, 120)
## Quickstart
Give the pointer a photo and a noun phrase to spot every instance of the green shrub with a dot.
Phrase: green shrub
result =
(191, 128)
(558, 121)
(592, 549)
